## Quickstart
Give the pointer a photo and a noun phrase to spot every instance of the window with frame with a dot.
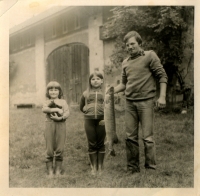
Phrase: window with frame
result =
(77, 20)
(28, 39)
(21, 41)
(14, 44)
(64, 24)
(54, 29)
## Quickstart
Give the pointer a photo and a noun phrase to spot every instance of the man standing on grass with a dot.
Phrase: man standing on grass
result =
(139, 72)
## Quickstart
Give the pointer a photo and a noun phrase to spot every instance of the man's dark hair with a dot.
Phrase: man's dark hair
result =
(54, 84)
(133, 34)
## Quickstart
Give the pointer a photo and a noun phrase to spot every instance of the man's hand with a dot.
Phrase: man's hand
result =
(161, 102)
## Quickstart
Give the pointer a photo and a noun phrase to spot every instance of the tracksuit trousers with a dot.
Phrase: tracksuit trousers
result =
(95, 135)
(55, 135)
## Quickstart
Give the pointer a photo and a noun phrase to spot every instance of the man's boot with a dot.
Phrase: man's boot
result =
(58, 168)
(100, 162)
(132, 152)
(93, 162)
(49, 168)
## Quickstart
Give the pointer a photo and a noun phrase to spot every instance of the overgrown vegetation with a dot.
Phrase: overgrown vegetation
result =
(168, 30)
(174, 135)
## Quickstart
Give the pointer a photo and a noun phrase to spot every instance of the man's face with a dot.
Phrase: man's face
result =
(132, 46)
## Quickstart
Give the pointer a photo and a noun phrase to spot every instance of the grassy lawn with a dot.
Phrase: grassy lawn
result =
(174, 135)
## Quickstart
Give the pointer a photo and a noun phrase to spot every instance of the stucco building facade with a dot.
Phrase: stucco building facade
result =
(60, 44)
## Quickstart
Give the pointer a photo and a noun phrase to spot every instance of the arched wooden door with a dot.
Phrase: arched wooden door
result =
(69, 65)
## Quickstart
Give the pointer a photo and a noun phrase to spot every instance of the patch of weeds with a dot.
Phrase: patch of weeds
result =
(24, 165)
(27, 154)
(166, 173)
(188, 127)
(177, 110)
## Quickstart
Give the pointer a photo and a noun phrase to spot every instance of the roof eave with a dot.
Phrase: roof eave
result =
(34, 21)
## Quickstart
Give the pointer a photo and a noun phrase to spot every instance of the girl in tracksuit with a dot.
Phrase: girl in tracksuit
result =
(57, 112)
(91, 105)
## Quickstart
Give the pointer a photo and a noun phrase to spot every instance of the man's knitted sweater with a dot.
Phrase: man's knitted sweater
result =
(139, 74)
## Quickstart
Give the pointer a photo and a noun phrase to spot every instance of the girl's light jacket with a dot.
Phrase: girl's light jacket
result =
(59, 102)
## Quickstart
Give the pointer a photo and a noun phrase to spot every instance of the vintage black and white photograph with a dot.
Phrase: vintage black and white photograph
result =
(101, 96)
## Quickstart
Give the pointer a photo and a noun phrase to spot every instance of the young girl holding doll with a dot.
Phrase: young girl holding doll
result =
(91, 105)
(57, 112)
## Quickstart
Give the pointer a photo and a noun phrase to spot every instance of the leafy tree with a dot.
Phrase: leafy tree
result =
(168, 30)
(162, 28)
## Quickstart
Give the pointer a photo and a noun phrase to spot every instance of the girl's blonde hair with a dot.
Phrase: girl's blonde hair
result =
(95, 73)
(54, 84)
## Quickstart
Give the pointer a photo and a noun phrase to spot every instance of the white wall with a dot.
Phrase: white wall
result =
(116, 73)
(95, 44)
(22, 81)
(40, 65)
(29, 83)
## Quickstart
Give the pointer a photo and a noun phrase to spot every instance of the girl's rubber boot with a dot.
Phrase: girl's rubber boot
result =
(93, 162)
(101, 156)
(49, 169)
(58, 168)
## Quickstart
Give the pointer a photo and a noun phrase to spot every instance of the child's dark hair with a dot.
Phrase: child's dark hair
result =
(54, 84)
(95, 73)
